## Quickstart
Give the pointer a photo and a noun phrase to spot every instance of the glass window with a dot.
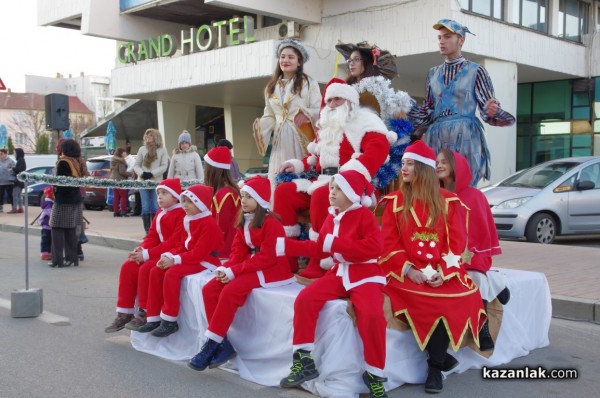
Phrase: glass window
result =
(533, 14)
(524, 102)
(572, 19)
(552, 100)
(490, 8)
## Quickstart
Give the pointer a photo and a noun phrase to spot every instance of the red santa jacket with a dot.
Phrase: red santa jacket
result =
(225, 209)
(253, 250)
(164, 225)
(196, 242)
(415, 241)
(351, 239)
(363, 146)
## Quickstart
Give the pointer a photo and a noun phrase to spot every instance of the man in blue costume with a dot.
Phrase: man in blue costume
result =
(454, 91)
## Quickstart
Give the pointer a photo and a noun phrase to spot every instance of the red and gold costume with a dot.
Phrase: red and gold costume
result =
(133, 278)
(419, 242)
(253, 263)
(225, 209)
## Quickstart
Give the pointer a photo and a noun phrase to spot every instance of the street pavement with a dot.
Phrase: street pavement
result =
(65, 352)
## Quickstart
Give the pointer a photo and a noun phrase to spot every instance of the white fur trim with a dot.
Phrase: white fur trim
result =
(195, 200)
(365, 121)
(302, 184)
(145, 255)
(391, 137)
(218, 165)
(312, 160)
(346, 188)
(297, 164)
(261, 202)
(419, 158)
(313, 235)
(168, 189)
(326, 263)
(280, 247)
(320, 182)
(226, 271)
(312, 147)
(354, 164)
(328, 243)
(355, 155)
(292, 231)
(342, 90)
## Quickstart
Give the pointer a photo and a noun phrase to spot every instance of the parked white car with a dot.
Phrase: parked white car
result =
(558, 197)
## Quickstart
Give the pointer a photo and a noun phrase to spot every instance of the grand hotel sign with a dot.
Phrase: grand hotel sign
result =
(203, 38)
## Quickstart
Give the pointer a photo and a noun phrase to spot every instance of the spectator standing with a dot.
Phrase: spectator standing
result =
(185, 162)
(20, 166)
(6, 177)
(151, 163)
(118, 172)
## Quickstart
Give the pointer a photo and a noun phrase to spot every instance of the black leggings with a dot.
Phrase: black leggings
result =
(437, 346)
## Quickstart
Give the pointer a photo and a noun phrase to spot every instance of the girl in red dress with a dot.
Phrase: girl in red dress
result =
(226, 202)
(424, 237)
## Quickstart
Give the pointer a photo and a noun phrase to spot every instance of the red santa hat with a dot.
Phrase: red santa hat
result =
(355, 186)
(200, 195)
(259, 188)
(172, 185)
(219, 157)
(420, 152)
(49, 192)
(337, 87)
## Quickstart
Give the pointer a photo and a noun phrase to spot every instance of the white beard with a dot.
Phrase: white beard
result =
(333, 124)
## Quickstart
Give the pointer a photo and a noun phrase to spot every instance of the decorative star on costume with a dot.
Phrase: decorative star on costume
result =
(429, 271)
(467, 255)
(452, 260)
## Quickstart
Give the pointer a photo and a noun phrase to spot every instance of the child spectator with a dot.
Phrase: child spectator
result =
(192, 249)
(135, 271)
(351, 240)
(454, 173)
(46, 240)
(253, 264)
(429, 289)
(226, 202)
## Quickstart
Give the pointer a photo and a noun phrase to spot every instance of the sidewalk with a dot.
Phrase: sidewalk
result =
(572, 272)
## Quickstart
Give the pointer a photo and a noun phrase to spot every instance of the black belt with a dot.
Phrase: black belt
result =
(330, 171)
(254, 250)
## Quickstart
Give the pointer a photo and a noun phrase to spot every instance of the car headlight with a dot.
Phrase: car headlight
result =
(29, 190)
(512, 203)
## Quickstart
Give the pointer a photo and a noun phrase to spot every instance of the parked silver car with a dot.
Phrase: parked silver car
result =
(558, 197)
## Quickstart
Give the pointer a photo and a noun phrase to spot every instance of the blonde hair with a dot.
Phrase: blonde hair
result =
(425, 188)
(152, 155)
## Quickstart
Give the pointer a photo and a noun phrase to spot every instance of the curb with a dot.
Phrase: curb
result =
(574, 308)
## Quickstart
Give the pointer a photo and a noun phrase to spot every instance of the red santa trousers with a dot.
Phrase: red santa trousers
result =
(367, 300)
(223, 299)
(164, 288)
(133, 281)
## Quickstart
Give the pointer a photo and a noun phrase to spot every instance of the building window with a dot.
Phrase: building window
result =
(532, 14)
(20, 138)
(573, 19)
(489, 8)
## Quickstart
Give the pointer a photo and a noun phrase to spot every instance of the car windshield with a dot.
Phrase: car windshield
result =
(95, 165)
(539, 176)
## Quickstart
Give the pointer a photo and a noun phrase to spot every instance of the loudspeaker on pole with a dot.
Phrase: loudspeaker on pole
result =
(57, 112)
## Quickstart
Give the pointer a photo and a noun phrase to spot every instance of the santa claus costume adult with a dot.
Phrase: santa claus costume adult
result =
(350, 138)
(424, 235)
(192, 249)
(135, 271)
(350, 241)
(225, 205)
(253, 264)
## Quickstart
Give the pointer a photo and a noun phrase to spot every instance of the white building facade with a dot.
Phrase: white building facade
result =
(543, 57)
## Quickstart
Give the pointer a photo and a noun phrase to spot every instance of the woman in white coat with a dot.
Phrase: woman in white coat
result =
(292, 104)
(185, 162)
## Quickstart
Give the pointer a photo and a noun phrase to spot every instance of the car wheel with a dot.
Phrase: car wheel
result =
(87, 207)
(541, 228)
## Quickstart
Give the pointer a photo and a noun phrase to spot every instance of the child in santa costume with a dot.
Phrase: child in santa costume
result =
(44, 221)
(225, 205)
(351, 239)
(192, 249)
(253, 264)
(454, 173)
(350, 138)
(135, 271)
(424, 236)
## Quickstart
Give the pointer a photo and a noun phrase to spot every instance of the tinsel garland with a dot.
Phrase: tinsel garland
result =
(65, 181)
(391, 102)
(311, 174)
(390, 170)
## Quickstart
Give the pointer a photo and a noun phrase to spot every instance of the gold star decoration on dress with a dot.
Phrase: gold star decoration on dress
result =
(452, 260)
(428, 271)
(467, 256)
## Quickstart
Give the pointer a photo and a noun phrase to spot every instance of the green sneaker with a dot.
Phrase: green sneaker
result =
(303, 369)
(375, 384)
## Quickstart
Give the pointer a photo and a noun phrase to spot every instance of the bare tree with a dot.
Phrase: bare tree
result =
(26, 127)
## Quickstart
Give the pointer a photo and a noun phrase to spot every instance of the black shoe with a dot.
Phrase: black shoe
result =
(81, 257)
(165, 329)
(224, 353)
(303, 369)
(486, 343)
(202, 359)
(375, 385)
(116, 215)
(504, 296)
(434, 383)
(68, 264)
(54, 265)
(149, 326)
(449, 363)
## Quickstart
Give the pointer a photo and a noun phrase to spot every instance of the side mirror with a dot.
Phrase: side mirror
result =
(584, 185)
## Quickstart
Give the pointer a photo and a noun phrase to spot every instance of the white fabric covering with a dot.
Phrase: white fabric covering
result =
(262, 336)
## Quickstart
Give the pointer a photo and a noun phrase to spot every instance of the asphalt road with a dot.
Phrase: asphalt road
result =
(65, 352)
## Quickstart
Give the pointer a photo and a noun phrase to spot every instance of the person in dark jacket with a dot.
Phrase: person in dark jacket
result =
(118, 171)
(17, 205)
